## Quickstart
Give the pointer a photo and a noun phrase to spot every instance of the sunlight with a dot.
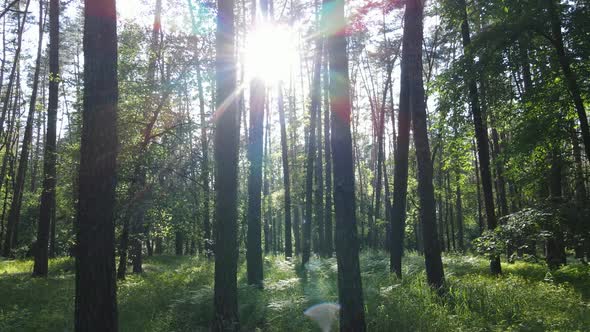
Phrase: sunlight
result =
(270, 53)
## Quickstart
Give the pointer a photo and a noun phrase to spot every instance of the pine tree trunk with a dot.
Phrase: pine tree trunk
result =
(96, 301)
(328, 229)
(311, 152)
(459, 208)
(350, 292)
(255, 144)
(413, 37)
(400, 175)
(204, 166)
(286, 175)
(319, 185)
(481, 135)
(226, 175)
(50, 153)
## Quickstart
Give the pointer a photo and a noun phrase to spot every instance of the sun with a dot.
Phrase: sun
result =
(270, 53)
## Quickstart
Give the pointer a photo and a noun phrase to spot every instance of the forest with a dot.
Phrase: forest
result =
(295, 165)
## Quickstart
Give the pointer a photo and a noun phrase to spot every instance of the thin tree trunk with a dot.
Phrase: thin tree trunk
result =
(319, 184)
(47, 207)
(286, 175)
(204, 166)
(481, 135)
(328, 229)
(459, 208)
(15, 65)
(400, 176)
(315, 102)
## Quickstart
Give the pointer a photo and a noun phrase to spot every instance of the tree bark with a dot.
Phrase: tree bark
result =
(226, 175)
(413, 37)
(400, 175)
(350, 292)
(96, 300)
(315, 103)
(328, 229)
(286, 175)
(255, 143)
(50, 153)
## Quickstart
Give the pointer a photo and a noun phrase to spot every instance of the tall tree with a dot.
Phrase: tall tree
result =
(50, 154)
(350, 290)
(96, 300)
(255, 143)
(481, 132)
(286, 174)
(328, 229)
(226, 173)
(205, 214)
(413, 37)
(400, 173)
(315, 105)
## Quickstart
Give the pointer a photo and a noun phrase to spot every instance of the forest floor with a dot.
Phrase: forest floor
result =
(175, 294)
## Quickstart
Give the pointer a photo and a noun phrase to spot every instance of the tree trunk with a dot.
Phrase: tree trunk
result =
(319, 184)
(350, 292)
(226, 175)
(204, 166)
(328, 229)
(555, 255)
(481, 135)
(413, 37)
(459, 208)
(311, 151)
(400, 175)
(96, 300)
(255, 143)
(286, 175)
(50, 153)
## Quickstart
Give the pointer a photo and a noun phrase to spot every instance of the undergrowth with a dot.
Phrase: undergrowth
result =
(176, 294)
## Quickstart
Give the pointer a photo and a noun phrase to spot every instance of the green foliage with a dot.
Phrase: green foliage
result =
(517, 231)
(176, 294)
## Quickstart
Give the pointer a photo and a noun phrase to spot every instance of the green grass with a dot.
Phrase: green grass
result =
(175, 294)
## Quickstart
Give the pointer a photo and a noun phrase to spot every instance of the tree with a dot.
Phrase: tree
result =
(286, 174)
(311, 151)
(350, 290)
(226, 172)
(256, 135)
(481, 133)
(255, 144)
(96, 301)
(47, 207)
(400, 175)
